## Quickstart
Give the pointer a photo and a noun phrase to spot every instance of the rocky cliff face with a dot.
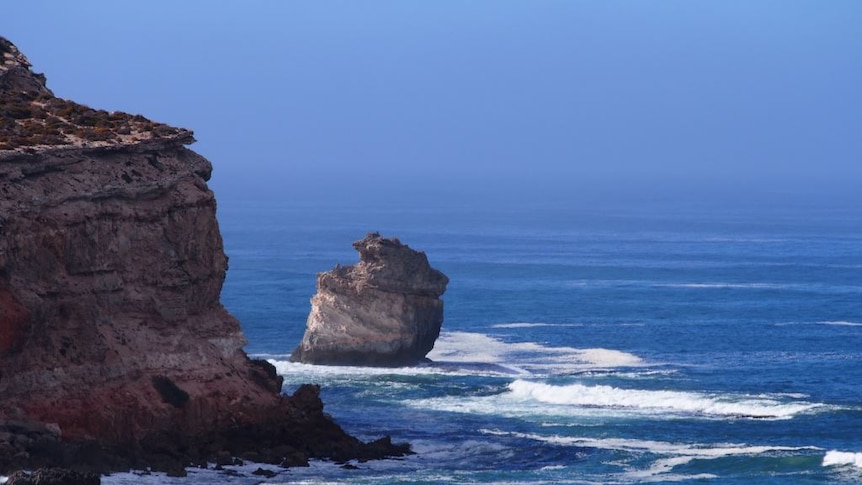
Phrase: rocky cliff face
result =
(383, 311)
(112, 336)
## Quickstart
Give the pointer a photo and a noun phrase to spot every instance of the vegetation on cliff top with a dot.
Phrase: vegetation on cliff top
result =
(38, 120)
(31, 117)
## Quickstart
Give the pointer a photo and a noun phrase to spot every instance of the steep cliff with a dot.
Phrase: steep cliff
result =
(114, 348)
(383, 311)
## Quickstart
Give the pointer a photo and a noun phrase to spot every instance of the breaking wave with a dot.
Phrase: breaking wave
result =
(671, 454)
(524, 399)
(841, 323)
(525, 357)
(842, 458)
(720, 405)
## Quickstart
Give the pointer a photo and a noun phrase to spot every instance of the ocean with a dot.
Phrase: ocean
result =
(630, 345)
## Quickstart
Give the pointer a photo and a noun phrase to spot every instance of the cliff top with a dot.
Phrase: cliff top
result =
(33, 119)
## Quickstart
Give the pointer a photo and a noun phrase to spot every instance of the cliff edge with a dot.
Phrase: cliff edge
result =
(115, 351)
(383, 311)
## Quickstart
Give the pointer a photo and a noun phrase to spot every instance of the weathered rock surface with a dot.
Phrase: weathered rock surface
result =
(53, 476)
(115, 351)
(383, 311)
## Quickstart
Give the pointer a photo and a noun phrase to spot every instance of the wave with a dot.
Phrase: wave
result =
(534, 325)
(524, 399)
(842, 458)
(722, 285)
(837, 323)
(841, 323)
(663, 401)
(525, 357)
(674, 454)
(467, 353)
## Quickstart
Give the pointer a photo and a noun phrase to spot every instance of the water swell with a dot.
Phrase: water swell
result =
(675, 402)
(529, 400)
(667, 455)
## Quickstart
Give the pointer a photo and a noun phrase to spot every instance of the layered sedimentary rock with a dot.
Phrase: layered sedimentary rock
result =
(383, 311)
(114, 348)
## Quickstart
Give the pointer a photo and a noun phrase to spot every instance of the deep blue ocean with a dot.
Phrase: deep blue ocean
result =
(629, 345)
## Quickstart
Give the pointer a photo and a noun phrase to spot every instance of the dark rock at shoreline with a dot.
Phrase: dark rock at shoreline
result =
(115, 351)
(53, 476)
(383, 311)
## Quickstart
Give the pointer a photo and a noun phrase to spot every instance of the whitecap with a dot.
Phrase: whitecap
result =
(531, 400)
(326, 373)
(525, 357)
(521, 325)
(533, 325)
(468, 353)
(673, 454)
(842, 458)
(720, 285)
(677, 402)
(841, 323)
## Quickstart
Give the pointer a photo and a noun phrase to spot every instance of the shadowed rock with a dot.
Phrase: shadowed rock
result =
(115, 351)
(383, 311)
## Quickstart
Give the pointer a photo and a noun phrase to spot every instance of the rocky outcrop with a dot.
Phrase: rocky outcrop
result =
(115, 351)
(53, 476)
(383, 311)
(15, 73)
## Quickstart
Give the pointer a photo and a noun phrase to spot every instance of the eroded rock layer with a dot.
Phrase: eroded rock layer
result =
(114, 348)
(383, 311)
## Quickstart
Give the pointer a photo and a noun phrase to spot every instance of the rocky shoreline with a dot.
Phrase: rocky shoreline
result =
(115, 351)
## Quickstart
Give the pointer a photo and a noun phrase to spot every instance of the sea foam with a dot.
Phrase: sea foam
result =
(559, 403)
(528, 357)
(719, 405)
(672, 454)
(841, 323)
(842, 458)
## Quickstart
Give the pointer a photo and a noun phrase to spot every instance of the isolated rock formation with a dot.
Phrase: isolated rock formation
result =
(383, 311)
(114, 348)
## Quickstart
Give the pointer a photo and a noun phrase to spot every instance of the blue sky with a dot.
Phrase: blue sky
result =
(495, 100)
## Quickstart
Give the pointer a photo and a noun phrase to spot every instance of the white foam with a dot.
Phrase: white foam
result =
(467, 353)
(673, 454)
(318, 471)
(720, 285)
(531, 400)
(657, 401)
(695, 450)
(842, 458)
(329, 372)
(527, 357)
(534, 325)
(841, 323)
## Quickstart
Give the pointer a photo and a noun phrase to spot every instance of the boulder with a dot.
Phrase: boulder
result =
(383, 311)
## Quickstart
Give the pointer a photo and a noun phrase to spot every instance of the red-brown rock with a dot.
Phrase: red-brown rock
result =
(111, 267)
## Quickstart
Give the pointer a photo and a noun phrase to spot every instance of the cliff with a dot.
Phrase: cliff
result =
(383, 311)
(114, 348)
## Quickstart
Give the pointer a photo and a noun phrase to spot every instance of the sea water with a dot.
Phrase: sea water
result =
(580, 346)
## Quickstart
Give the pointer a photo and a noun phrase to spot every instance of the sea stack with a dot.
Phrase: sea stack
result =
(115, 351)
(383, 311)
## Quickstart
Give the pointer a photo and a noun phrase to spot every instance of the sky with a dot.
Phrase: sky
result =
(495, 100)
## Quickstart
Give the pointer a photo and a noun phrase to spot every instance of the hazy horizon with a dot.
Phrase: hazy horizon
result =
(525, 102)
